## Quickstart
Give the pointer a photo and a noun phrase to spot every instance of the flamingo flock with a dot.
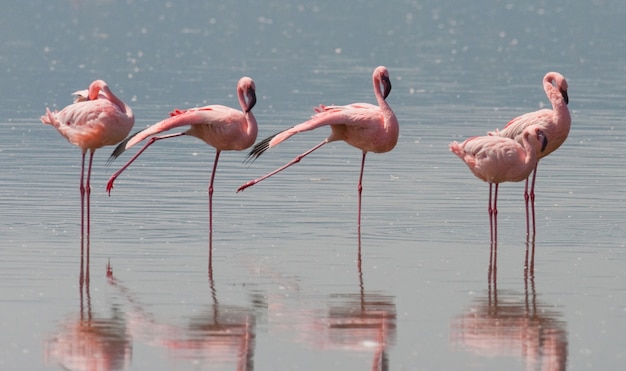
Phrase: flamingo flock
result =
(99, 118)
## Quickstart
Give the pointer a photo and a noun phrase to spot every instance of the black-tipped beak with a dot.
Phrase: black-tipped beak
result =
(387, 86)
(565, 97)
(251, 100)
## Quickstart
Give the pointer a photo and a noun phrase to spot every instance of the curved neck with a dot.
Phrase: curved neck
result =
(531, 152)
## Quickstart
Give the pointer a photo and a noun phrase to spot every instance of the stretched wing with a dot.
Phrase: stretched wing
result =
(356, 114)
(214, 114)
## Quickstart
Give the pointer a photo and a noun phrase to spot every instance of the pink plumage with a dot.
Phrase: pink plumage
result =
(496, 159)
(221, 127)
(97, 118)
(555, 123)
(365, 126)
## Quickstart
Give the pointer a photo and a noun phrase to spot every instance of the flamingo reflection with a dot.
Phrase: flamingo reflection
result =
(89, 341)
(220, 334)
(359, 321)
(506, 323)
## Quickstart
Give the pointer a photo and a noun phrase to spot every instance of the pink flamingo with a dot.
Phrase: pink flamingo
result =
(97, 118)
(497, 159)
(219, 126)
(554, 123)
(365, 126)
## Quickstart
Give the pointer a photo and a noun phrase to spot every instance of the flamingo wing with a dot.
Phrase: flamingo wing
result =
(357, 114)
(88, 124)
(208, 115)
(516, 126)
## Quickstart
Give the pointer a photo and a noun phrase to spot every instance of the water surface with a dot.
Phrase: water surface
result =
(286, 287)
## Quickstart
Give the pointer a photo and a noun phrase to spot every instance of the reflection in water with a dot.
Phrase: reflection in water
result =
(506, 323)
(219, 334)
(359, 321)
(88, 342)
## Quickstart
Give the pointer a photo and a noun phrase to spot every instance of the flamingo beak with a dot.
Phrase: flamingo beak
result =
(565, 97)
(387, 86)
(251, 99)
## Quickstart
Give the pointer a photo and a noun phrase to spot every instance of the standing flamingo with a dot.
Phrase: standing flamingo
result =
(365, 126)
(497, 159)
(219, 126)
(555, 124)
(97, 118)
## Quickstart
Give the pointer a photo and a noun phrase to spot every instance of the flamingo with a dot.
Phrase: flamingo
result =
(365, 126)
(555, 123)
(495, 159)
(219, 126)
(97, 118)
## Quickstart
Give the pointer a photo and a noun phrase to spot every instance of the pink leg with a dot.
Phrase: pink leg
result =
(294, 161)
(217, 157)
(121, 170)
(532, 187)
(495, 214)
(82, 222)
(82, 198)
(88, 194)
(360, 187)
(526, 202)
(490, 211)
(532, 197)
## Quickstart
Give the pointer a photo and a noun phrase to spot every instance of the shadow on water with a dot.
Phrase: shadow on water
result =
(506, 323)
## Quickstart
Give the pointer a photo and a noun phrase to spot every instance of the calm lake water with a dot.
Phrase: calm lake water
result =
(291, 284)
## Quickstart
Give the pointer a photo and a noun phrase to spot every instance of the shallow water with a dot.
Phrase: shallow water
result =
(291, 283)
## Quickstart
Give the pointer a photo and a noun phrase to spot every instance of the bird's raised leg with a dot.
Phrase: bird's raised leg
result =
(294, 161)
(121, 170)
(360, 188)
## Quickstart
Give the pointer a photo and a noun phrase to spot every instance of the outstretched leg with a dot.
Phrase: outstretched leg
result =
(360, 186)
(294, 161)
(121, 170)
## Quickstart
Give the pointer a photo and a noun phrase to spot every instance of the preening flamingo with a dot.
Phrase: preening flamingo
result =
(97, 118)
(497, 159)
(219, 126)
(365, 126)
(554, 123)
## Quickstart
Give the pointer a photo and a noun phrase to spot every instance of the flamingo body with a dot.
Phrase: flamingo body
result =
(555, 123)
(97, 118)
(221, 127)
(365, 126)
(496, 159)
